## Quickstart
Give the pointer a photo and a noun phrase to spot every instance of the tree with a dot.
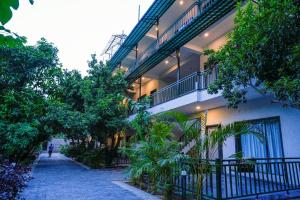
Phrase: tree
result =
(26, 74)
(263, 52)
(156, 155)
(142, 121)
(104, 95)
(6, 12)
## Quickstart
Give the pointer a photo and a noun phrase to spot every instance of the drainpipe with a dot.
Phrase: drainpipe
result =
(140, 87)
(157, 30)
(136, 52)
(178, 74)
(178, 65)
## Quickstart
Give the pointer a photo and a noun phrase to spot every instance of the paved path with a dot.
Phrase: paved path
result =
(59, 178)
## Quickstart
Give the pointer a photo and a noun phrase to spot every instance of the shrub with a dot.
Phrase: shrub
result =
(155, 156)
(94, 158)
(12, 179)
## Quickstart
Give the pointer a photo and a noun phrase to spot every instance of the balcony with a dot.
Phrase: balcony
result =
(181, 23)
(191, 23)
(195, 82)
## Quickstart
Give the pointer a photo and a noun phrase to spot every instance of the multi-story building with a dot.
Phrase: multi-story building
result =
(163, 58)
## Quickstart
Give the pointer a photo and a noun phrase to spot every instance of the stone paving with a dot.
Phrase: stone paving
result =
(59, 178)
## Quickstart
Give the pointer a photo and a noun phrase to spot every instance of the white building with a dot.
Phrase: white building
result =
(163, 57)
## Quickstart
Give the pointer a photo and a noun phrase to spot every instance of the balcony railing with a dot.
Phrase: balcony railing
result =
(180, 24)
(227, 179)
(234, 178)
(189, 84)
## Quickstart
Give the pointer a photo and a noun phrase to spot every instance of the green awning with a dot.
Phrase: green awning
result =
(156, 10)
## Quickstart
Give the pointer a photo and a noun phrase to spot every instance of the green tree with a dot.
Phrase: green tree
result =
(156, 156)
(142, 121)
(26, 73)
(104, 94)
(263, 52)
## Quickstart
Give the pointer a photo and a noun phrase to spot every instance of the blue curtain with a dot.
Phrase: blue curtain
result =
(273, 138)
(271, 147)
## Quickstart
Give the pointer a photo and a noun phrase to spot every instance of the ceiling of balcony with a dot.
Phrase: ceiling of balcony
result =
(166, 70)
(218, 29)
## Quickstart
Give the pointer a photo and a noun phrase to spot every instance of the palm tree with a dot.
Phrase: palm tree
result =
(159, 152)
(155, 156)
(206, 144)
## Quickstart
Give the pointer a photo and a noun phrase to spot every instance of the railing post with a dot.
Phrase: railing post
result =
(286, 176)
(183, 184)
(199, 6)
(219, 178)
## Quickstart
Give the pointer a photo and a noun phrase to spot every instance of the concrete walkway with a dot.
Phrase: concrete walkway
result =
(59, 178)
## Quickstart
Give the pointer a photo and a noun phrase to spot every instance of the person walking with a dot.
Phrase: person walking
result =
(50, 150)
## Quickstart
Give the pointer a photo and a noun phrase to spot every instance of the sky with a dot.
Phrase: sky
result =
(78, 28)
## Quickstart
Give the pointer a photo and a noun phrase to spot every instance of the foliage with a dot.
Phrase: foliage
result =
(158, 152)
(12, 179)
(155, 155)
(183, 124)
(263, 52)
(6, 14)
(5, 9)
(142, 121)
(90, 110)
(104, 94)
(94, 158)
(26, 74)
(61, 118)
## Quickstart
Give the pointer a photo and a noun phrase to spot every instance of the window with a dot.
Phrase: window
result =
(271, 147)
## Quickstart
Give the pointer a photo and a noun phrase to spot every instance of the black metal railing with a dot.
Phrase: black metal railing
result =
(227, 179)
(122, 160)
(179, 25)
(194, 82)
(189, 84)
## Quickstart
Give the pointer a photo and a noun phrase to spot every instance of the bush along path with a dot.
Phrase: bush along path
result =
(12, 179)
(61, 178)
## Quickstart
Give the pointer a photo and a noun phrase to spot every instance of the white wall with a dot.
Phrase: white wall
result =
(215, 45)
(218, 43)
(257, 109)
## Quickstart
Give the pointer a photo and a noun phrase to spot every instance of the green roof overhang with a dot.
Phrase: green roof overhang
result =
(156, 10)
(215, 12)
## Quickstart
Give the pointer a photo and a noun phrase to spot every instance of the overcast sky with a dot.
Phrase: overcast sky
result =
(77, 27)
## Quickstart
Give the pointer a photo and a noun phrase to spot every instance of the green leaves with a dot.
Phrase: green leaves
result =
(156, 152)
(260, 54)
(27, 75)
(5, 9)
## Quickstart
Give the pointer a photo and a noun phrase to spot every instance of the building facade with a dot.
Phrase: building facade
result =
(163, 59)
